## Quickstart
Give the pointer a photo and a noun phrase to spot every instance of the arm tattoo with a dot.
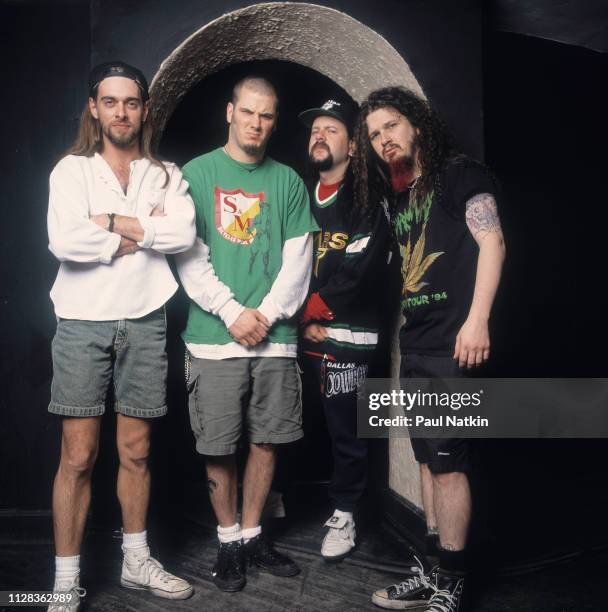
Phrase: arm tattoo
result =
(482, 214)
(212, 485)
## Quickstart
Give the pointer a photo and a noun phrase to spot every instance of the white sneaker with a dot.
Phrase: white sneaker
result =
(140, 571)
(340, 538)
(65, 589)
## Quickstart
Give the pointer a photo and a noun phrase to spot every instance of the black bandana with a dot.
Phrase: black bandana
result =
(110, 69)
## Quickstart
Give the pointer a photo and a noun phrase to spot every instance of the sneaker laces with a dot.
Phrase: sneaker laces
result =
(234, 554)
(267, 549)
(442, 601)
(414, 582)
(156, 570)
(79, 592)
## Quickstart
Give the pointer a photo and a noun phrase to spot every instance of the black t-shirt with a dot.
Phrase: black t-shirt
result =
(439, 259)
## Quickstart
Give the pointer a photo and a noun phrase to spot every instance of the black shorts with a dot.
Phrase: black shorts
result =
(442, 455)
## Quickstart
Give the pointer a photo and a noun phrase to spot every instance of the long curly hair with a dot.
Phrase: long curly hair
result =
(435, 148)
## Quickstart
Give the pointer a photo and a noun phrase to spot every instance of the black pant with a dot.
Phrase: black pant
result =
(338, 373)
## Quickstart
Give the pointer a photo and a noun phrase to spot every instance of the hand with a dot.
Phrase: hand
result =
(157, 212)
(250, 328)
(102, 220)
(126, 247)
(315, 332)
(472, 343)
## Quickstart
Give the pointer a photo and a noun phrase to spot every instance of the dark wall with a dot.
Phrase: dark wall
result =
(545, 131)
(543, 120)
(441, 41)
(545, 138)
(46, 62)
(56, 43)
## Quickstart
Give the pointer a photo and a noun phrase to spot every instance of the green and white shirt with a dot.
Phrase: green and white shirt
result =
(254, 250)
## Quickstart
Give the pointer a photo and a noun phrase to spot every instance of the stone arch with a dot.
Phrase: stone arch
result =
(332, 43)
(336, 45)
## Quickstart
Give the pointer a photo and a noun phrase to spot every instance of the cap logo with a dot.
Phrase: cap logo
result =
(330, 104)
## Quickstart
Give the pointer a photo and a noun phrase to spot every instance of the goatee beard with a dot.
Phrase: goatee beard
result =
(402, 173)
(321, 165)
(252, 149)
(122, 143)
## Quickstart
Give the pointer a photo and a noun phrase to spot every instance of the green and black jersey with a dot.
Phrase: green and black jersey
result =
(349, 269)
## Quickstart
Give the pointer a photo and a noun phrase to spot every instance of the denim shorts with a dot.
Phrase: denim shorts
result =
(260, 394)
(89, 356)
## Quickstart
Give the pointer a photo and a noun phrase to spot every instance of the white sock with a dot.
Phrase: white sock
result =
(229, 534)
(136, 543)
(250, 533)
(348, 515)
(66, 568)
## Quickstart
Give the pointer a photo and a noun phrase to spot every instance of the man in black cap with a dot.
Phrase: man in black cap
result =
(114, 212)
(341, 315)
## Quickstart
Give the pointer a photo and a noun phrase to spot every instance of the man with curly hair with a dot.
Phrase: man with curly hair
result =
(446, 224)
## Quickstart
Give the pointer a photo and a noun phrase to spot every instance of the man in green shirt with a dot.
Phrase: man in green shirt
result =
(247, 275)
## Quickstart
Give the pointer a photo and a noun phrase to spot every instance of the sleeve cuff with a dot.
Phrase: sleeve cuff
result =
(270, 311)
(111, 247)
(149, 232)
(230, 312)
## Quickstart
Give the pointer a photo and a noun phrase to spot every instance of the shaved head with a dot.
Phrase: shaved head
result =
(255, 83)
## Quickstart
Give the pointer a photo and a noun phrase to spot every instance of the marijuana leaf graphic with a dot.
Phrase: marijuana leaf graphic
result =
(414, 266)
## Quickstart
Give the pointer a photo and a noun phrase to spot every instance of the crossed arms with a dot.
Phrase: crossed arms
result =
(75, 235)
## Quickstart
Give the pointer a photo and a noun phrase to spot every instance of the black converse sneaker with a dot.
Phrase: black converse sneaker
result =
(415, 592)
(228, 573)
(259, 552)
(448, 593)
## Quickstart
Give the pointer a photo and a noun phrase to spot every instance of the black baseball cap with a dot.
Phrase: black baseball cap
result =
(342, 109)
(110, 69)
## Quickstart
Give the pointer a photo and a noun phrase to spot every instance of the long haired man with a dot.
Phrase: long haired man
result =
(446, 225)
(114, 212)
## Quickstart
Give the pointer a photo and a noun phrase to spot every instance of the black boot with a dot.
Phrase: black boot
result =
(228, 573)
(260, 552)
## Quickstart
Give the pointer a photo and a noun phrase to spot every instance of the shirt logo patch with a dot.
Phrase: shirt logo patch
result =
(234, 214)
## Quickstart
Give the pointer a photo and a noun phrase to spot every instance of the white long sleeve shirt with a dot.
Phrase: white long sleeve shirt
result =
(285, 297)
(91, 284)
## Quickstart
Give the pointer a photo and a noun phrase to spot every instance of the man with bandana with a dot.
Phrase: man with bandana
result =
(114, 212)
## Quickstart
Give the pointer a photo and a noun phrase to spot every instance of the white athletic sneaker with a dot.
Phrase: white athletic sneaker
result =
(145, 573)
(67, 589)
(340, 538)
